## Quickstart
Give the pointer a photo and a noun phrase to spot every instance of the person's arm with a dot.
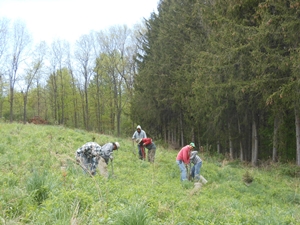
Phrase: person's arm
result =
(77, 155)
(186, 155)
(107, 150)
(145, 135)
(79, 151)
(134, 136)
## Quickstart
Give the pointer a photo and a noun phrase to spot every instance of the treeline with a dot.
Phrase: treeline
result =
(224, 74)
(86, 85)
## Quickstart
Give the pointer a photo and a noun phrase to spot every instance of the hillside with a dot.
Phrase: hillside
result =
(41, 184)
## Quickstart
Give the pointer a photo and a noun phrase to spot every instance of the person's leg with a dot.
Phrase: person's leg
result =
(193, 172)
(85, 164)
(140, 152)
(102, 167)
(94, 165)
(182, 170)
(143, 151)
(151, 155)
(197, 170)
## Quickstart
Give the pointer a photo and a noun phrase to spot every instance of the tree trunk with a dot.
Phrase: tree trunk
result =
(241, 142)
(86, 101)
(297, 125)
(230, 143)
(199, 138)
(62, 97)
(1, 95)
(193, 134)
(11, 104)
(25, 107)
(275, 139)
(254, 144)
(38, 98)
(165, 133)
(218, 147)
(181, 129)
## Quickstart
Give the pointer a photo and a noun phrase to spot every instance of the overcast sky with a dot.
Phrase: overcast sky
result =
(69, 19)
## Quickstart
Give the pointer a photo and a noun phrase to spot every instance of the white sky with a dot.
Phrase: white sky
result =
(69, 19)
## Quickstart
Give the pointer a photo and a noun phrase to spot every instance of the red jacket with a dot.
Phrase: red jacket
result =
(146, 141)
(184, 154)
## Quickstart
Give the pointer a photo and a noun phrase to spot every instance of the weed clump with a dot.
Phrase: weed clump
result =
(134, 214)
(248, 178)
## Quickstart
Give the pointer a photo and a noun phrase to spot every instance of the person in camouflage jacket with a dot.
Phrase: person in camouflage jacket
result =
(91, 155)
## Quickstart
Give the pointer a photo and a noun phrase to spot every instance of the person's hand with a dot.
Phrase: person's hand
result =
(111, 158)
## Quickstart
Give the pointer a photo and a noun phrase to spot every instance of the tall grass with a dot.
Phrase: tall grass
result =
(41, 184)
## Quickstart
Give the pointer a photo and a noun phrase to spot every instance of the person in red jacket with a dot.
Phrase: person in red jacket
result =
(183, 159)
(150, 145)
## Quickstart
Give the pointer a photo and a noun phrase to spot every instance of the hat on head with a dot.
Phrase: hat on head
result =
(117, 144)
(138, 127)
(192, 144)
(138, 140)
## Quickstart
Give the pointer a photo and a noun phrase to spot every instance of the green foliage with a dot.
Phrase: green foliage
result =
(247, 178)
(132, 215)
(290, 170)
(37, 187)
(42, 184)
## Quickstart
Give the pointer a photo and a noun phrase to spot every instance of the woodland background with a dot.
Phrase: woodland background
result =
(221, 73)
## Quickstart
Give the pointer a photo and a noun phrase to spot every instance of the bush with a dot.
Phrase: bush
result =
(132, 215)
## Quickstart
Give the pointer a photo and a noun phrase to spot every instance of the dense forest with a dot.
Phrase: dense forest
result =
(222, 73)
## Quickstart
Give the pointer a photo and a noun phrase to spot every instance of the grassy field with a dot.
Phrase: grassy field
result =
(41, 184)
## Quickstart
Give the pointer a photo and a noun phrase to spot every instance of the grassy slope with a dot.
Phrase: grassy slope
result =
(37, 189)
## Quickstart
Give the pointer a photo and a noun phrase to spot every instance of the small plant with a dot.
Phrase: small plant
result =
(134, 214)
(247, 178)
(37, 188)
(187, 184)
(290, 170)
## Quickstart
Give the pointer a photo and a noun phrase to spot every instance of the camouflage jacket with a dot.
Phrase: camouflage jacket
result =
(89, 150)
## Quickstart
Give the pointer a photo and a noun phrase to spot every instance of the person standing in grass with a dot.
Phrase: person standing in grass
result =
(150, 145)
(91, 154)
(183, 159)
(197, 163)
(139, 134)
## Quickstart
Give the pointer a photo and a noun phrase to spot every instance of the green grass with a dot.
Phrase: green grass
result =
(41, 184)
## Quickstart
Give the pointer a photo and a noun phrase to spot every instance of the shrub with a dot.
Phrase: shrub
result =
(37, 187)
(132, 215)
(247, 178)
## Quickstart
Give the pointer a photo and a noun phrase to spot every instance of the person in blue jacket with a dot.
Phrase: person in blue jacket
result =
(139, 134)
(197, 164)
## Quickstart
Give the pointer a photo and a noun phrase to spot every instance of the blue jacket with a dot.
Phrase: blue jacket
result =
(137, 135)
(107, 151)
